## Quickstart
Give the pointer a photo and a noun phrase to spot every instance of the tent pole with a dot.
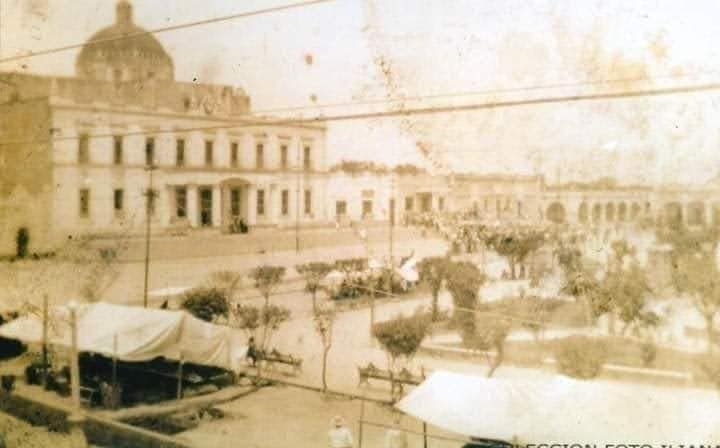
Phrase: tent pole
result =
(180, 374)
(114, 361)
(425, 435)
(360, 425)
(45, 341)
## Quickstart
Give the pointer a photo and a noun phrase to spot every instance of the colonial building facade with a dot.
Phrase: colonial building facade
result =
(123, 141)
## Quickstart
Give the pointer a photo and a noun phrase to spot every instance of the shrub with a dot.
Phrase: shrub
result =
(648, 352)
(580, 357)
(206, 303)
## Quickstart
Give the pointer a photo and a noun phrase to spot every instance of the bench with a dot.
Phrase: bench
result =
(275, 357)
(397, 380)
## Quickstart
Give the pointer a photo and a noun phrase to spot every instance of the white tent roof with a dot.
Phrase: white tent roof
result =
(563, 410)
(142, 334)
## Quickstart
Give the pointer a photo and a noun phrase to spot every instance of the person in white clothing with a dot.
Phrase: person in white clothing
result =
(339, 435)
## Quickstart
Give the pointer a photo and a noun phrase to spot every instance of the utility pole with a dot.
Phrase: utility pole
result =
(149, 206)
(391, 223)
(297, 200)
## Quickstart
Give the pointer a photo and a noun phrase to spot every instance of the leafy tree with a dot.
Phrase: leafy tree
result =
(228, 281)
(569, 258)
(515, 245)
(625, 294)
(401, 337)
(433, 271)
(697, 275)
(267, 279)
(464, 281)
(586, 289)
(324, 319)
(313, 273)
(488, 333)
(260, 322)
(206, 303)
(247, 318)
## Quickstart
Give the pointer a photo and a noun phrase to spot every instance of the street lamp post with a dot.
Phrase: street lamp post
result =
(149, 204)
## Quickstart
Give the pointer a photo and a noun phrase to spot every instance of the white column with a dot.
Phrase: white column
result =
(252, 205)
(216, 206)
(192, 205)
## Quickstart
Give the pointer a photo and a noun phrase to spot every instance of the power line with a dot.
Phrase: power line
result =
(373, 101)
(242, 15)
(404, 112)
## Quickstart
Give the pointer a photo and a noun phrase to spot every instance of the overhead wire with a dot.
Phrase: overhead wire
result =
(242, 15)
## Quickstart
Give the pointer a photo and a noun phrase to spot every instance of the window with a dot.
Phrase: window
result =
(441, 203)
(234, 149)
(285, 202)
(180, 152)
(118, 200)
(519, 209)
(367, 207)
(308, 202)
(260, 156)
(261, 202)
(84, 148)
(84, 203)
(118, 150)
(208, 153)
(487, 204)
(340, 208)
(149, 151)
(284, 156)
(235, 202)
(181, 202)
(307, 161)
(409, 204)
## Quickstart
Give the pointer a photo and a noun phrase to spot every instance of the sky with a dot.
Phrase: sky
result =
(362, 52)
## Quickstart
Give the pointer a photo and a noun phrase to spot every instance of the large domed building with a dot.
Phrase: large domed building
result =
(81, 148)
(124, 52)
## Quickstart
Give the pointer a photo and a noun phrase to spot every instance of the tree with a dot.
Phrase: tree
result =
(260, 322)
(228, 281)
(463, 281)
(433, 271)
(515, 245)
(697, 275)
(488, 333)
(624, 294)
(267, 279)
(586, 290)
(206, 303)
(401, 336)
(313, 273)
(324, 319)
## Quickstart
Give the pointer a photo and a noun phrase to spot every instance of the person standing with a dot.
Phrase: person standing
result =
(339, 435)
(252, 353)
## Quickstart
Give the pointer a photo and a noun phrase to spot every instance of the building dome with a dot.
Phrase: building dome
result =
(140, 57)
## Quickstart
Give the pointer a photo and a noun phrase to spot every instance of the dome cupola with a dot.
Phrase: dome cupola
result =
(124, 52)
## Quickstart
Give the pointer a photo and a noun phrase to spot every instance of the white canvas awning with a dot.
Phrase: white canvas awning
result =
(142, 334)
(562, 410)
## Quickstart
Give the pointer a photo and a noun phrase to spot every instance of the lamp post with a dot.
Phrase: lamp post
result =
(149, 205)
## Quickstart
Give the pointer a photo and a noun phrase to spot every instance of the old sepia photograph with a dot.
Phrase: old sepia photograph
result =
(359, 224)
